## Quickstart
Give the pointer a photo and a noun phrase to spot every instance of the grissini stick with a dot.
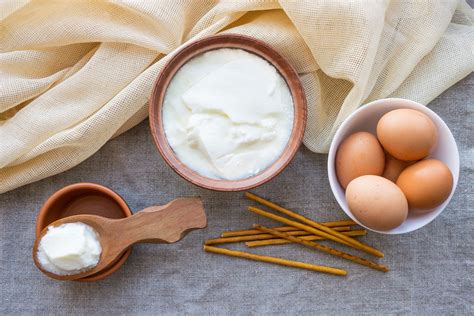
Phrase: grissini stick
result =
(283, 262)
(339, 237)
(332, 251)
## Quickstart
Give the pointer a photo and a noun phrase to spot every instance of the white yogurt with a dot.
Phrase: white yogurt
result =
(228, 114)
(69, 249)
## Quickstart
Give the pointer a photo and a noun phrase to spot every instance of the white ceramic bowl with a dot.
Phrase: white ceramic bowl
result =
(365, 119)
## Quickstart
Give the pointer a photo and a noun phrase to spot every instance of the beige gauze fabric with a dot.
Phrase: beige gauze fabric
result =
(74, 74)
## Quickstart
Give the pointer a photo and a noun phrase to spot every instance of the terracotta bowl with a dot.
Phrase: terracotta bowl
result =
(227, 41)
(85, 198)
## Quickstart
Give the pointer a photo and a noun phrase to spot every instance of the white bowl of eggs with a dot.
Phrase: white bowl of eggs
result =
(393, 166)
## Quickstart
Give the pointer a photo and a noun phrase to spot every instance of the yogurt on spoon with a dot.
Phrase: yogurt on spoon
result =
(69, 248)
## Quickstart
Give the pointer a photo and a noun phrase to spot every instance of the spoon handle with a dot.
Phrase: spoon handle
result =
(162, 224)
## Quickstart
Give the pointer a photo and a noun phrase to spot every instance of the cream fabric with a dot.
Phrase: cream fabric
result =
(73, 74)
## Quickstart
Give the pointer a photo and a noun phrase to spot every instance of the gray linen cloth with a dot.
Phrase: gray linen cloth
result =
(431, 269)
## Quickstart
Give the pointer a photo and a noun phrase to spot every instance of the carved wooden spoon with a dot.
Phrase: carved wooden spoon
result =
(156, 224)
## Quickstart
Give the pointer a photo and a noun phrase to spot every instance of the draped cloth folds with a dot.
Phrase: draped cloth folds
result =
(74, 74)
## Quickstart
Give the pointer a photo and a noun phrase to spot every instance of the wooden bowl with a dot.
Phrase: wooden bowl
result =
(85, 198)
(211, 43)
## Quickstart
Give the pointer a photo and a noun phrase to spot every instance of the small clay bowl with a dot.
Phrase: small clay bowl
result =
(211, 43)
(85, 198)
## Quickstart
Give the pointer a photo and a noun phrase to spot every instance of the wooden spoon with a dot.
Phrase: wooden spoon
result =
(156, 224)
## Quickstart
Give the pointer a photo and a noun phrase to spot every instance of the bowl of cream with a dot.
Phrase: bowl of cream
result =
(227, 112)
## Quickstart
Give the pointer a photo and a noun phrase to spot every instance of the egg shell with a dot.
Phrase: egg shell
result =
(393, 167)
(426, 184)
(359, 154)
(377, 202)
(407, 134)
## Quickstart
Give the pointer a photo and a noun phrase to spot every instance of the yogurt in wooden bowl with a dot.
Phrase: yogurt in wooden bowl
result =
(227, 113)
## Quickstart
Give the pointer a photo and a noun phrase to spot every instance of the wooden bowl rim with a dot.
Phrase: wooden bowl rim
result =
(251, 45)
(99, 188)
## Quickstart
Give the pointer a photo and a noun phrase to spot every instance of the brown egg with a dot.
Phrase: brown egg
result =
(426, 184)
(359, 154)
(407, 134)
(393, 167)
(377, 202)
